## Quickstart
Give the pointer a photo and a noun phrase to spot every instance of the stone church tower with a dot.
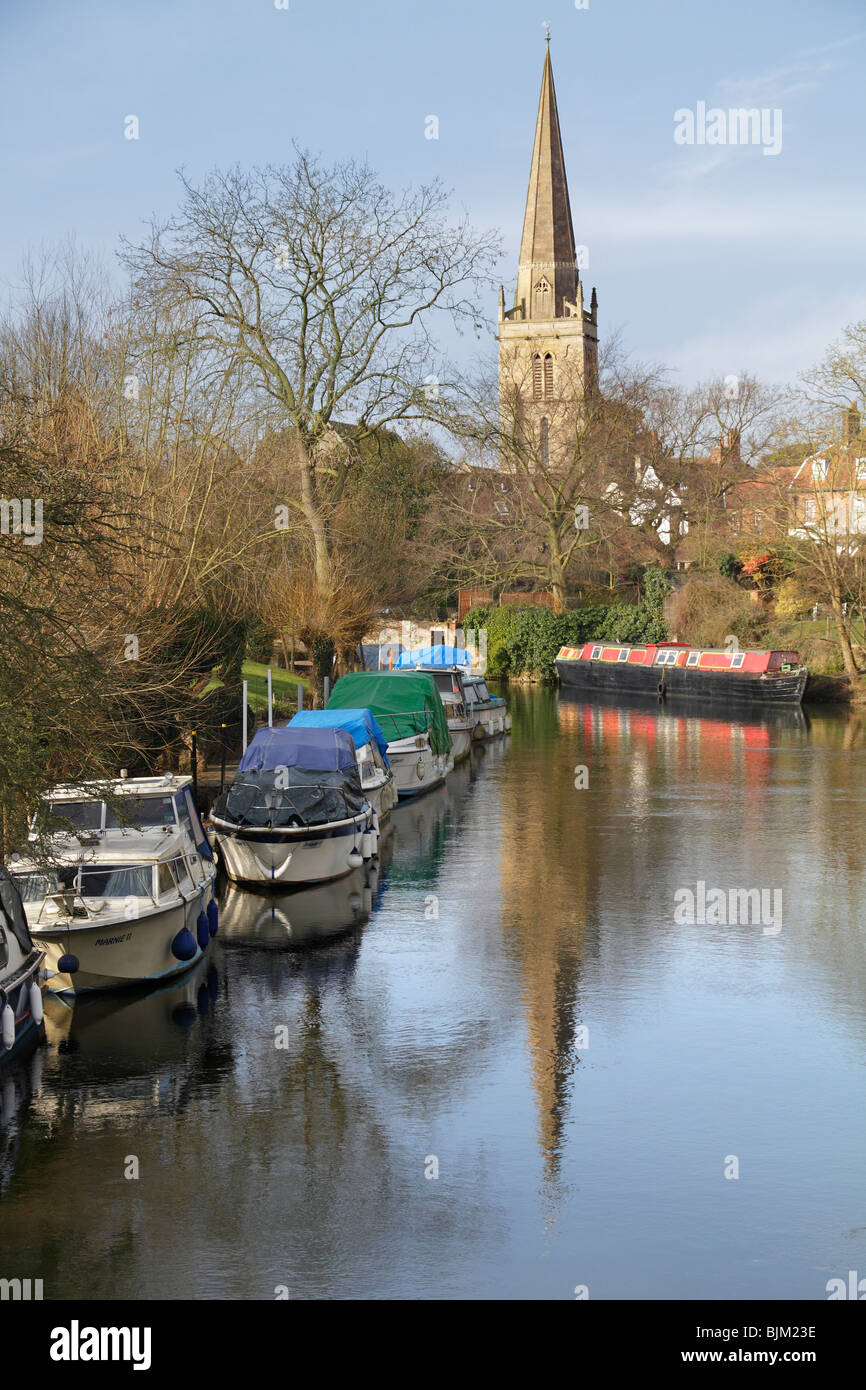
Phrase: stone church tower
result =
(548, 342)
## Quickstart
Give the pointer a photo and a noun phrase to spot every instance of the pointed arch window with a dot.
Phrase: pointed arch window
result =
(544, 451)
(548, 376)
(542, 299)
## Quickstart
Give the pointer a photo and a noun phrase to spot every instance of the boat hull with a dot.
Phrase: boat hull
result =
(313, 854)
(672, 682)
(117, 953)
(461, 738)
(383, 798)
(416, 767)
(16, 989)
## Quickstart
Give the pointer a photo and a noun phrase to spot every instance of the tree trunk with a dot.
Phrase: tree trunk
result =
(852, 670)
(316, 522)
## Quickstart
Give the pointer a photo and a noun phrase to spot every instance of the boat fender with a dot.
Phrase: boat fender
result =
(661, 686)
(183, 946)
(419, 768)
(8, 1026)
(35, 1003)
(355, 859)
(367, 845)
(213, 916)
(202, 930)
(68, 964)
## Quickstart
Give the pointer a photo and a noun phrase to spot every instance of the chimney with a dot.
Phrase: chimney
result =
(732, 446)
(850, 423)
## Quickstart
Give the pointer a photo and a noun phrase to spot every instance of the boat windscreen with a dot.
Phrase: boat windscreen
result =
(115, 881)
(140, 813)
(80, 815)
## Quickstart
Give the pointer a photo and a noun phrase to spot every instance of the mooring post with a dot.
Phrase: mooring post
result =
(244, 718)
(193, 765)
(300, 697)
(223, 759)
(270, 699)
(327, 692)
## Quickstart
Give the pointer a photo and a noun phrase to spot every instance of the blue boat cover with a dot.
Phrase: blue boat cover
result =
(435, 656)
(360, 723)
(317, 750)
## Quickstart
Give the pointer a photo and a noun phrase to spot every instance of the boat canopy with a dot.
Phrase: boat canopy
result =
(435, 656)
(403, 702)
(360, 723)
(316, 750)
(294, 777)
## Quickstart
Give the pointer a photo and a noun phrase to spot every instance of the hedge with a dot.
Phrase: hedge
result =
(524, 641)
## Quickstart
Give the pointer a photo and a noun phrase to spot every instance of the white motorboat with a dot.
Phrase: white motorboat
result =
(371, 751)
(449, 683)
(118, 884)
(488, 712)
(20, 961)
(296, 812)
(407, 707)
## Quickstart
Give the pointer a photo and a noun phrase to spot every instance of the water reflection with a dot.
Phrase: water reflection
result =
(507, 992)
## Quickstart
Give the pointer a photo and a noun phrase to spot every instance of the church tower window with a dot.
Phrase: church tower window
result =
(548, 376)
(542, 300)
(536, 377)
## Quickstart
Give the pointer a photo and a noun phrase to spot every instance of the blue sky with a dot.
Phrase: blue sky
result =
(711, 259)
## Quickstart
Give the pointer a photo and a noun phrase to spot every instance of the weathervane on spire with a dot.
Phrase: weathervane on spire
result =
(545, 24)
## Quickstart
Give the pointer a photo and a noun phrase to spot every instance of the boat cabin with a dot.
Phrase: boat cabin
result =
(681, 654)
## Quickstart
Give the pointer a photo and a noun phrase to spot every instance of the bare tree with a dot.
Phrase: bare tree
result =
(322, 290)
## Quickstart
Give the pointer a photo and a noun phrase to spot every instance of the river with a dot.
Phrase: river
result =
(525, 1059)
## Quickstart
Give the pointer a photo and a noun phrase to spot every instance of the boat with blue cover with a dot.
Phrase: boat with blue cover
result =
(407, 707)
(371, 751)
(296, 811)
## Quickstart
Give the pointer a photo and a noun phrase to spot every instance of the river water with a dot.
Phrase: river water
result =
(524, 1060)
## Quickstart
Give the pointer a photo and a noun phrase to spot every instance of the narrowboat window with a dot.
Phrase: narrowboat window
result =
(622, 655)
(662, 659)
(595, 654)
(737, 660)
(693, 659)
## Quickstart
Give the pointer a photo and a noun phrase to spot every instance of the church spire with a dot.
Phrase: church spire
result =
(546, 275)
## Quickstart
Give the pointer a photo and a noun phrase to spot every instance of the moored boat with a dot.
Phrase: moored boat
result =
(371, 751)
(675, 669)
(295, 812)
(122, 891)
(489, 713)
(449, 682)
(20, 961)
(407, 707)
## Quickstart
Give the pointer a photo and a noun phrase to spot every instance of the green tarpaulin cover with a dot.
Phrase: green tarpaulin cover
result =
(403, 702)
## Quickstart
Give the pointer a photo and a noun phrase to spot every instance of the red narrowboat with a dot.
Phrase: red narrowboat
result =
(679, 670)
